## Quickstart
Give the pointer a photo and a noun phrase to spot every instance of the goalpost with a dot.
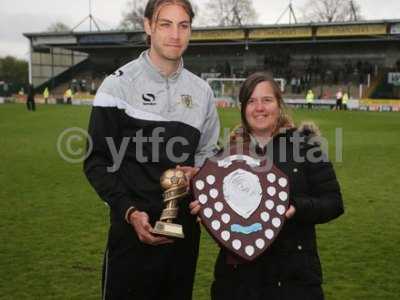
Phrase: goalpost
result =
(226, 90)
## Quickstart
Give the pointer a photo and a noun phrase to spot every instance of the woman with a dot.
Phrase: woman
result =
(290, 268)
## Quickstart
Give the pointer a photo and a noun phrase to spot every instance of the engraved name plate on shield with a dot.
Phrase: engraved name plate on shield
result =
(243, 201)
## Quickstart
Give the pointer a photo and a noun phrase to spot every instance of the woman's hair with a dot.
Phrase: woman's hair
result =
(153, 9)
(247, 88)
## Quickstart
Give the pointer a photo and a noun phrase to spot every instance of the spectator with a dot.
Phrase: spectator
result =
(68, 95)
(310, 99)
(46, 95)
(339, 98)
(344, 100)
(293, 84)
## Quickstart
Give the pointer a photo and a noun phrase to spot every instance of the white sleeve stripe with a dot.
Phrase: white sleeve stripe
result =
(107, 100)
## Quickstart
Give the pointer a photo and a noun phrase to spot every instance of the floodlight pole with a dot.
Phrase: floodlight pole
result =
(91, 19)
(289, 9)
(90, 15)
(353, 11)
(30, 62)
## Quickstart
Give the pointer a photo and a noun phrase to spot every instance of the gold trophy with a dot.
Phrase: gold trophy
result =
(174, 183)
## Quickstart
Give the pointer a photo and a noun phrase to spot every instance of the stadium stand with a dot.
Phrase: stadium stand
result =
(353, 56)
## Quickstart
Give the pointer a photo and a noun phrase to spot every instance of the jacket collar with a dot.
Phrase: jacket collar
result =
(261, 149)
(154, 72)
(281, 132)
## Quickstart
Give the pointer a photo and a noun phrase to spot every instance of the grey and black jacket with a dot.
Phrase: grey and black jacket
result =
(153, 123)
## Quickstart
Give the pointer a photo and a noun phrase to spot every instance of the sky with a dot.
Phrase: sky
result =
(19, 16)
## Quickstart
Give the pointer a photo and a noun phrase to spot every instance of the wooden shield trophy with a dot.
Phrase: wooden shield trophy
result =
(243, 201)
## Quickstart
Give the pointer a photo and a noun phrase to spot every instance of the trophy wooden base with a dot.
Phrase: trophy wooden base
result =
(168, 229)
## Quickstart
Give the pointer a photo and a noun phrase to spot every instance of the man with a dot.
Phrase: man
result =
(149, 116)
(310, 99)
(46, 94)
(68, 95)
(345, 99)
(339, 98)
(30, 100)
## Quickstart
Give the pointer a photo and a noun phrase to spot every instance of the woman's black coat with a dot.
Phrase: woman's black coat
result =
(290, 268)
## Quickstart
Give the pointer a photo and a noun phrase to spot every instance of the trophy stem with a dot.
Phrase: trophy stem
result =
(175, 185)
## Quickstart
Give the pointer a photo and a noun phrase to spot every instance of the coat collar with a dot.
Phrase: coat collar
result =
(155, 73)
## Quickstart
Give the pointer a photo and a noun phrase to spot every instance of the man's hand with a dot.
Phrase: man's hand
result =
(190, 172)
(290, 212)
(140, 222)
(194, 207)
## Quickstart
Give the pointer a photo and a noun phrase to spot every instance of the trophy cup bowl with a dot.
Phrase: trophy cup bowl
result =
(175, 185)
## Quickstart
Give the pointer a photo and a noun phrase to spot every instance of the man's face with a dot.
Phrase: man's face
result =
(169, 31)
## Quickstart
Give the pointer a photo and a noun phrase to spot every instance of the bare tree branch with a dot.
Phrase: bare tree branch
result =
(133, 17)
(231, 12)
(58, 27)
(332, 11)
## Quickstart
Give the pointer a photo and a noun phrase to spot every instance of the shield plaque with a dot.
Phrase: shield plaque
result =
(243, 201)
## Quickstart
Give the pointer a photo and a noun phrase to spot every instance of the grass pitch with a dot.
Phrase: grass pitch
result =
(53, 226)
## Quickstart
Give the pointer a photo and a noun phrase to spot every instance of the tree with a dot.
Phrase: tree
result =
(332, 11)
(58, 27)
(133, 18)
(355, 11)
(231, 12)
(14, 70)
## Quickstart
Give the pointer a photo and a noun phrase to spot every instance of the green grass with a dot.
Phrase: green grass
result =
(53, 226)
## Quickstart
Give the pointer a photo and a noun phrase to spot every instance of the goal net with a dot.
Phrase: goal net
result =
(226, 90)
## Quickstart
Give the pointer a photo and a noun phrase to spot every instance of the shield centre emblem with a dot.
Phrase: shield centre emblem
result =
(242, 191)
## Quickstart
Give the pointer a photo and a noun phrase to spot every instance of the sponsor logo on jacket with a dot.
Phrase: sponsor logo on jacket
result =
(149, 99)
(118, 73)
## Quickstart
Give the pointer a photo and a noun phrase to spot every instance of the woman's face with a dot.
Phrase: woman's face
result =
(262, 110)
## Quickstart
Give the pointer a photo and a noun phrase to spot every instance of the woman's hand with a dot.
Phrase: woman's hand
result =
(290, 212)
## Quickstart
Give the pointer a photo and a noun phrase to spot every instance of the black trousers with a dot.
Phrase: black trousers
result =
(339, 104)
(133, 270)
(235, 290)
(31, 105)
(284, 276)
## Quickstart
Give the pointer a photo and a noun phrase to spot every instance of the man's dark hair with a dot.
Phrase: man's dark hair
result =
(153, 6)
(153, 9)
